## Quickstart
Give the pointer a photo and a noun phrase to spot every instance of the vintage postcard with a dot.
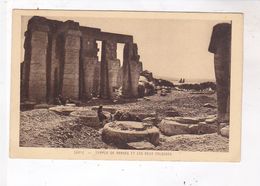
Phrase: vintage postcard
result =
(117, 85)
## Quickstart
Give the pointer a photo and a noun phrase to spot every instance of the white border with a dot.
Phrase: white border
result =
(50, 172)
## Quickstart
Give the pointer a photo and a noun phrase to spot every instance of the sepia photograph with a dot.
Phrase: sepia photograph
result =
(126, 85)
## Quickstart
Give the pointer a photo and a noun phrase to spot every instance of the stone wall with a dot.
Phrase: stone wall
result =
(61, 59)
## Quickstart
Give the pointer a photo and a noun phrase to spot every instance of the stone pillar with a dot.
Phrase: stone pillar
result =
(70, 84)
(220, 45)
(37, 85)
(25, 66)
(96, 82)
(127, 85)
(136, 69)
(132, 68)
(89, 62)
(110, 66)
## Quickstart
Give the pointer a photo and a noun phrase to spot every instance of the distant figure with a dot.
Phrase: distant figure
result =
(220, 45)
(60, 100)
(101, 116)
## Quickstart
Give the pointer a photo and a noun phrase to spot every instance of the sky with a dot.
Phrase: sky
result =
(171, 48)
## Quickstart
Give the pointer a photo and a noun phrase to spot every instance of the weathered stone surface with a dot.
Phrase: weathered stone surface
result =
(193, 129)
(151, 120)
(132, 68)
(37, 78)
(70, 87)
(220, 45)
(170, 127)
(110, 66)
(63, 110)
(121, 115)
(204, 128)
(208, 105)
(90, 117)
(123, 132)
(185, 120)
(225, 131)
(171, 113)
(142, 145)
(90, 67)
(211, 120)
(111, 110)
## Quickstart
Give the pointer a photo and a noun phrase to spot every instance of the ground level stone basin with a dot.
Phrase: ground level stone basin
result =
(122, 132)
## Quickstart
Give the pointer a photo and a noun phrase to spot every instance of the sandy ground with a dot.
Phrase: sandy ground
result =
(43, 128)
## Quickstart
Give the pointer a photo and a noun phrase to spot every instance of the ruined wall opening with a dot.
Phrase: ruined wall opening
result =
(120, 52)
(99, 46)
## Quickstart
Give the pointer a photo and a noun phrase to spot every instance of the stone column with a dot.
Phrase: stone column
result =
(90, 62)
(136, 69)
(37, 87)
(127, 85)
(220, 45)
(110, 66)
(70, 84)
(132, 68)
(25, 66)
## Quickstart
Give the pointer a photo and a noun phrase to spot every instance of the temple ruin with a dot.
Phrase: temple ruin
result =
(61, 58)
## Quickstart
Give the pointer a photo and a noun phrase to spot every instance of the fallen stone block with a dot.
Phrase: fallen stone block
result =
(125, 116)
(187, 120)
(112, 110)
(172, 113)
(89, 117)
(151, 120)
(208, 105)
(146, 99)
(170, 127)
(205, 128)
(193, 128)
(211, 120)
(142, 145)
(63, 110)
(225, 131)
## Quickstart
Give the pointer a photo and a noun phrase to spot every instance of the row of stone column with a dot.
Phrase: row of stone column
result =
(62, 60)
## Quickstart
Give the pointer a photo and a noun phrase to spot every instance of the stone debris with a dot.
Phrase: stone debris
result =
(208, 105)
(141, 145)
(193, 128)
(171, 127)
(205, 128)
(90, 117)
(184, 125)
(225, 131)
(63, 110)
(152, 120)
(211, 120)
(125, 116)
(171, 113)
(186, 120)
(111, 110)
